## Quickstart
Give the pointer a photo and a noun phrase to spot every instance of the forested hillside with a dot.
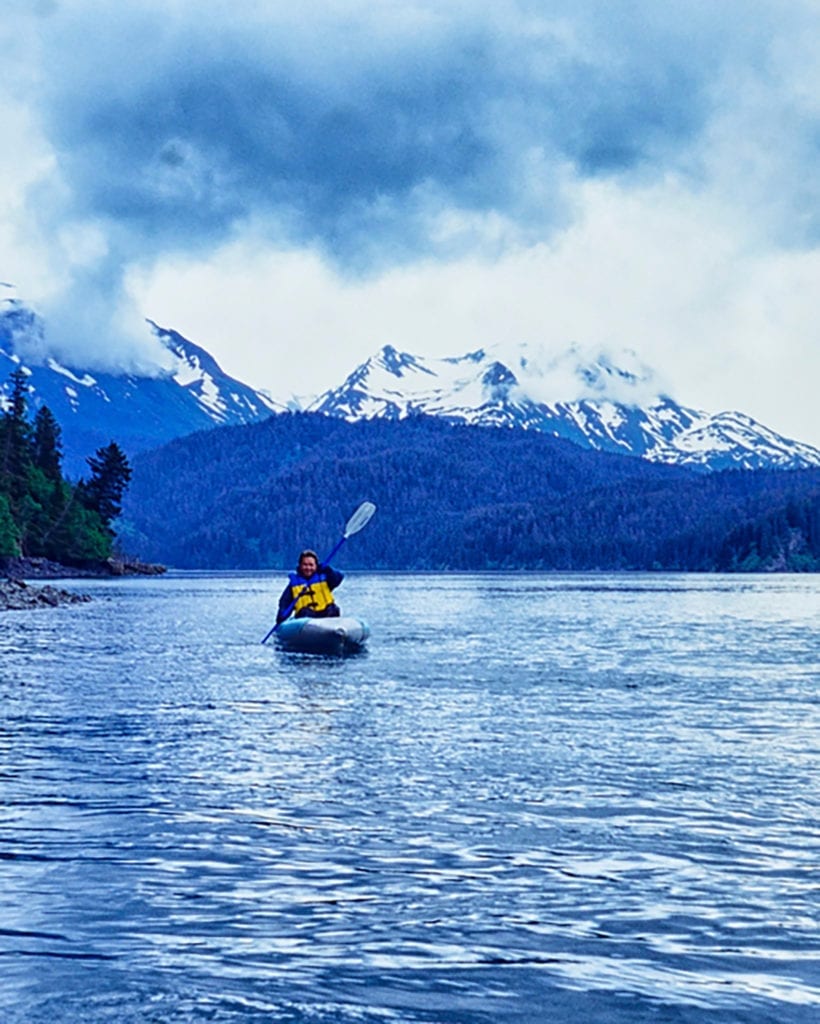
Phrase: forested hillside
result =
(42, 514)
(453, 497)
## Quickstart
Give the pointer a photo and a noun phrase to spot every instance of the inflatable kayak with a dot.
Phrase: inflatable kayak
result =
(341, 635)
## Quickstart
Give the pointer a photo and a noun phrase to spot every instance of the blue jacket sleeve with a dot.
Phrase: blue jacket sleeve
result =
(334, 577)
(285, 602)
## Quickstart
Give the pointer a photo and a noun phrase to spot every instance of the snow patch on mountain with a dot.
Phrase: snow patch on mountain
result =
(85, 381)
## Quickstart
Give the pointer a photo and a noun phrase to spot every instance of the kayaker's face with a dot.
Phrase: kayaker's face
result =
(307, 567)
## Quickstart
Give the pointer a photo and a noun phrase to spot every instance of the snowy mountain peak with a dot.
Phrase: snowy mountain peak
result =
(602, 374)
(396, 363)
(499, 379)
(220, 397)
(139, 411)
(578, 374)
(480, 377)
(597, 402)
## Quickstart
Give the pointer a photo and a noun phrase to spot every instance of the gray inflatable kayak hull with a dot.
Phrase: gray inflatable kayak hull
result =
(342, 635)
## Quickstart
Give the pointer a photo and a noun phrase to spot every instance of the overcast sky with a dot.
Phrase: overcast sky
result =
(293, 186)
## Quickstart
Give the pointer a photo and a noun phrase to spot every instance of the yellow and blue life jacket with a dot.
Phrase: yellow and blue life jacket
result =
(311, 597)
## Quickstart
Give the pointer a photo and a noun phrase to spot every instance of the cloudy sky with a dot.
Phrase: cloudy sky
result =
(293, 186)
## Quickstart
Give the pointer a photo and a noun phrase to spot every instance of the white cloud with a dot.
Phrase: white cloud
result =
(668, 274)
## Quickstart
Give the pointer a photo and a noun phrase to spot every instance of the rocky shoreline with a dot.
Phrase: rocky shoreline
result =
(16, 594)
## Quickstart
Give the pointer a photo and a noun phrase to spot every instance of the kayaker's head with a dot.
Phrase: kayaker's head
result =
(308, 564)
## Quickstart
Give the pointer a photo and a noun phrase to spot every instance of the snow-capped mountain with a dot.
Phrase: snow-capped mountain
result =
(612, 408)
(591, 402)
(137, 411)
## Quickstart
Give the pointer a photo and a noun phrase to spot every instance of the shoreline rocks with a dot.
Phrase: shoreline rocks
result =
(16, 595)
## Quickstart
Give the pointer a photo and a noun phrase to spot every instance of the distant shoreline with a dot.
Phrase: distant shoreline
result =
(44, 569)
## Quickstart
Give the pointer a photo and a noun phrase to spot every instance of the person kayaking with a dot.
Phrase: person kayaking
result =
(309, 590)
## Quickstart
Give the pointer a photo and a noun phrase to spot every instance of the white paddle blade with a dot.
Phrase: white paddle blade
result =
(360, 518)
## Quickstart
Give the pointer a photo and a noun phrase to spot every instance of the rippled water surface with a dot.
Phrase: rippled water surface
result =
(535, 798)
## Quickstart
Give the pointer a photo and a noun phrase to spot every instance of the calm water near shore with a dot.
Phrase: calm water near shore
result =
(535, 798)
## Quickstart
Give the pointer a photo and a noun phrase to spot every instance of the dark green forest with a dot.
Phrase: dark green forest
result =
(42, 514)
(456, 497)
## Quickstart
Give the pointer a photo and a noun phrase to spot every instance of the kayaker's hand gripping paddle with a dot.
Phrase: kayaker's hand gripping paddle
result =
(360, 518)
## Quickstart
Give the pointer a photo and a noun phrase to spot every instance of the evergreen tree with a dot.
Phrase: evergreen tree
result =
(47, 449)
(15, 455)
(110, 474)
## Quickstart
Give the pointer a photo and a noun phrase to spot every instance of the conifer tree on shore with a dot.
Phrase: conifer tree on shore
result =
(42, 514)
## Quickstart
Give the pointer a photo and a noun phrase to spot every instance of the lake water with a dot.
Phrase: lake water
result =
(535, 798)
